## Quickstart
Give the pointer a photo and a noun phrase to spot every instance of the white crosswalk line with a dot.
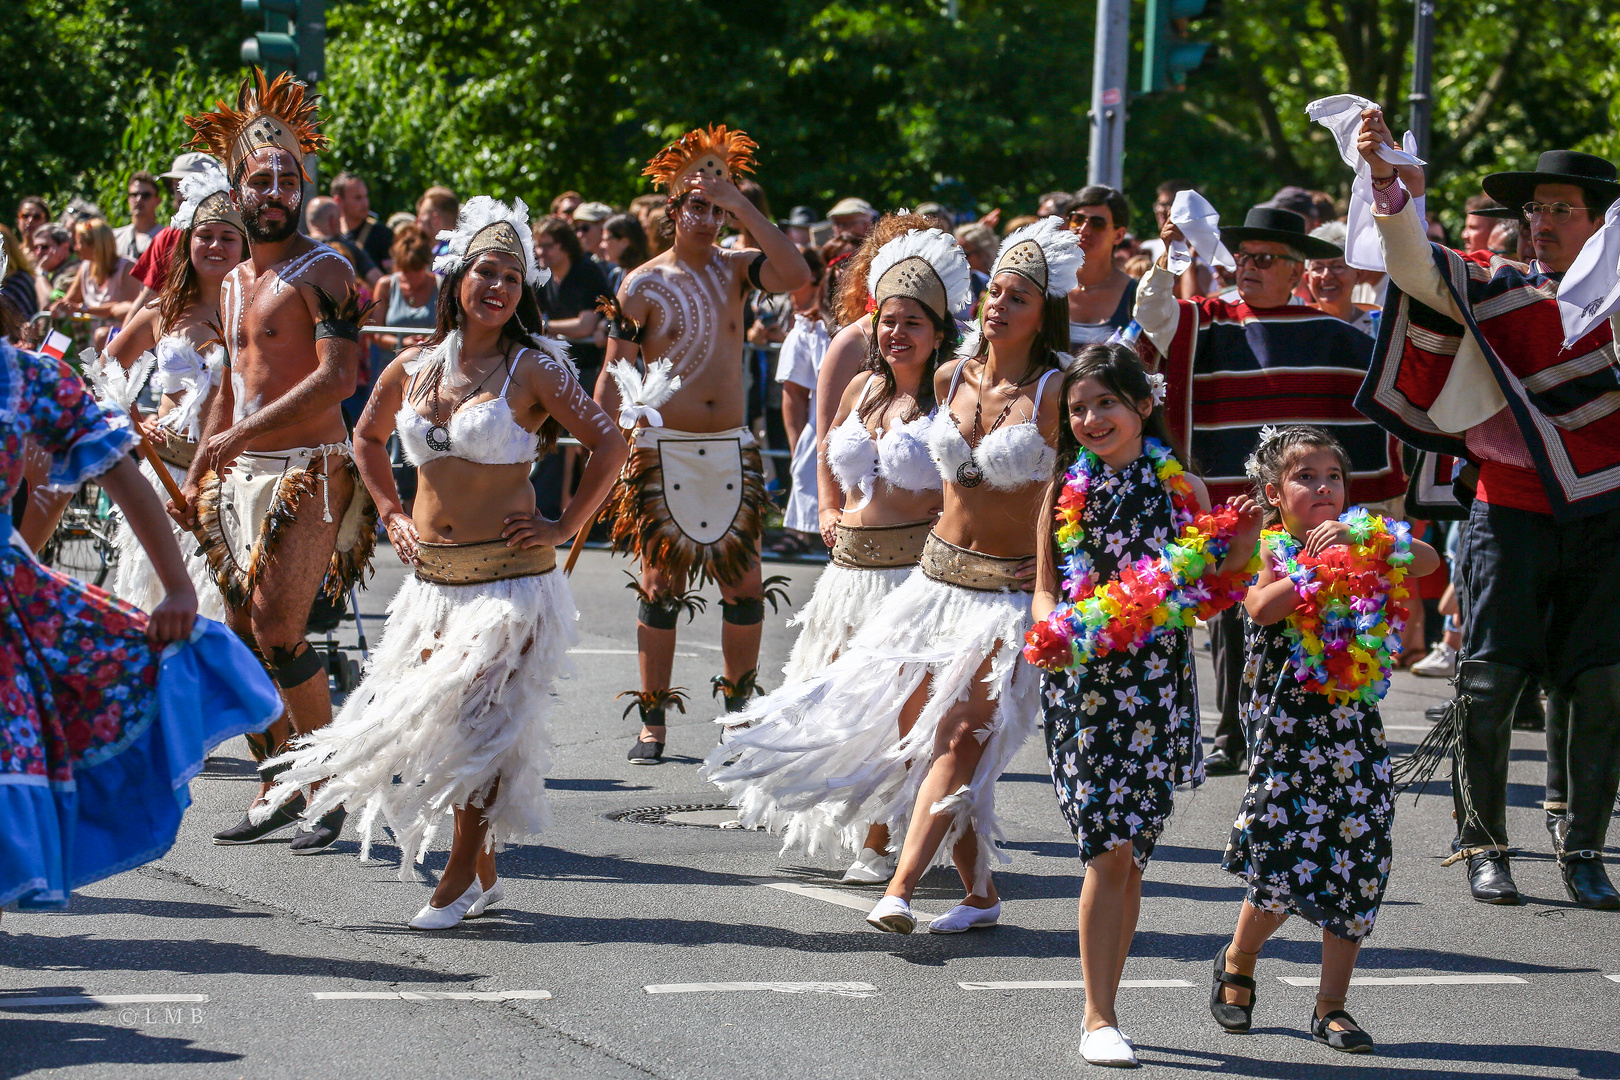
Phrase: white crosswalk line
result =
(853, 901)
(433, 995)
(1070, 984)
(105, 999)
(1409, 980)
(842, 989)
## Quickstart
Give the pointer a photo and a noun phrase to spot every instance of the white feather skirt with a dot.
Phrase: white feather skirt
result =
(419, 737)
(843, 600)
(824, 760)
(135, 579)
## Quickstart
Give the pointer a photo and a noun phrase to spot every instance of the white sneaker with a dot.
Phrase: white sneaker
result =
(492, 897)
(869, 868)
(1106, 1046)
(1441, 663)
(893, 915)
(961, 918)
(433, 918)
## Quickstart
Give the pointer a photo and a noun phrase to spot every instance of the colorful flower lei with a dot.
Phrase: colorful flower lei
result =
(1348, 626)
(1179, 586)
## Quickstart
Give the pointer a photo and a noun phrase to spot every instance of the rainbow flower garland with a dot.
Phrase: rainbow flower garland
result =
(1172, 591)
(1348, 625)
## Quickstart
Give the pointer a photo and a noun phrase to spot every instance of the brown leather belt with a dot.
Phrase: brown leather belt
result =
(485, 561)
(944, 561)
(880, 547)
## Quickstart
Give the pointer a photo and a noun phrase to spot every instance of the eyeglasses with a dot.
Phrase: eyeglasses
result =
(1096, 221)
(143, 194)
(1261, 262)
(583, 227)
(1558, 212)
(43, 247)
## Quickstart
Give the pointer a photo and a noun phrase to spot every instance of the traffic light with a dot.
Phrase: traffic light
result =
(1167, 55)
(293, 39)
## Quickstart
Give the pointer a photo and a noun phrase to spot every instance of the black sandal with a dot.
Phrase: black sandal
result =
(1348, 1042)
(1231, 1017)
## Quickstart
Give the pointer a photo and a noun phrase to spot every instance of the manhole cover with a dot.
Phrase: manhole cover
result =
(683, 815)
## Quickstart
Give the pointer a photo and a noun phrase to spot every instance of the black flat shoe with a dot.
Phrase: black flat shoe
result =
(1347, 1042)
(1489, 879)
(307, 841)
(1234, 1018)
(1217, 763)
(646, 752)
(1587, 882)
(245, 832)
(1435, 713)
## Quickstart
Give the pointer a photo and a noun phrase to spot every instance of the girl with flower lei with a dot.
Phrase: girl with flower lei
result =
(1312, 835)
(1135, 556)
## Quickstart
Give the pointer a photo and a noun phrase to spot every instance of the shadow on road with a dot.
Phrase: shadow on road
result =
(30, 1046)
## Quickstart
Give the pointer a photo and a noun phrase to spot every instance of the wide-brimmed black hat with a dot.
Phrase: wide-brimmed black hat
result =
(1283, 226)
(1589, 171)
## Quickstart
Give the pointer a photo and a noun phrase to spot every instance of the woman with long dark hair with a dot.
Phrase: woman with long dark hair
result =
(878, 452)
(455, 700)
(174, 338)
(623, 248)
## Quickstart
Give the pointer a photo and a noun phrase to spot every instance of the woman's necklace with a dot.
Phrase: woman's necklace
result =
(968, 474)
(438, 436)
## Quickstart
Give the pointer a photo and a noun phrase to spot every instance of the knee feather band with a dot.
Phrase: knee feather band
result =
(748, 611)
(660, 615)
(290, 668)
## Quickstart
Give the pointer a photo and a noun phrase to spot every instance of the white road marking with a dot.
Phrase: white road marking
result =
(1070, 984)
(435, 995)
(853, 901)
(1612, 978)
(616, 652)
(1410, 980)
(842, 989)
(105, 999)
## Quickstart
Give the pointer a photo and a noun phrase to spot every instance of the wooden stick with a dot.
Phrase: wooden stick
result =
(585, 530)
(162, 471)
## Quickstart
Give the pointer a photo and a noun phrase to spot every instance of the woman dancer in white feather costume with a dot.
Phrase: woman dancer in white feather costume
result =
(455, 700)
(172, 340)
(922, 711)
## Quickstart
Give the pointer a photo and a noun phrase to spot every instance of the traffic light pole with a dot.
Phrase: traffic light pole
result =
(1420, 99)
(1108, 93)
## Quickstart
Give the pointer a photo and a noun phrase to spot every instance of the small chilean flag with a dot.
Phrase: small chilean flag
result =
(56, 345)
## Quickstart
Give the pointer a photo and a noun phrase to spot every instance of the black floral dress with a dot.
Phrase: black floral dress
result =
(1312, 835)
(1122, 732)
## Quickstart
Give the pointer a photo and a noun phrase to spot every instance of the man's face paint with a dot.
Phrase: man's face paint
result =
(698, 216)
(269, 195)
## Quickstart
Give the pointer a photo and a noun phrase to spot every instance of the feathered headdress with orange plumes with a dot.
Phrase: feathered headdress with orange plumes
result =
(279, 113)
(716, 151)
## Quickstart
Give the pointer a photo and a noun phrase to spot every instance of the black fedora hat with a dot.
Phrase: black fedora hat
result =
(1282, 226)
(1514, 189)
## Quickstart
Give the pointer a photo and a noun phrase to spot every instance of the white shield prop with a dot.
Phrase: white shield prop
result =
(703, 484)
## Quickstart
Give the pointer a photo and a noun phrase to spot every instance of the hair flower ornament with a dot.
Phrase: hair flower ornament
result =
(1159, 387)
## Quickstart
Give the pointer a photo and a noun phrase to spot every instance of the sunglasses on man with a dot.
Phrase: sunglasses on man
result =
(1077, 221)
(1263, 261)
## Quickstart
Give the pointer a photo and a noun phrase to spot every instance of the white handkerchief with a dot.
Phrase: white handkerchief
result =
(1341, 115)
(1590, 291)
(1201, 225)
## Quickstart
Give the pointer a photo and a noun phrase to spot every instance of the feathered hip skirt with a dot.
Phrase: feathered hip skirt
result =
(453, 712)
(824, 759)
(844, 600)
(135, 579)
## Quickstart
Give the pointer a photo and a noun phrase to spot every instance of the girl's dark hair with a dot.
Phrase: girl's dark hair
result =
(874, 405)
(180, 284)
(1120, 371)
(1276, 455)
(521, 330)
(628, 227)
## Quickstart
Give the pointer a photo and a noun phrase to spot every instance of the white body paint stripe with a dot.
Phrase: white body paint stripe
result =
(105, 999)
(436, 995)
(846, 989)
(1070, 984)
(1410, 980)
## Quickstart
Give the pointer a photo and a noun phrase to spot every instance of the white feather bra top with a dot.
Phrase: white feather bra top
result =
(1007, 458)
(187, 375)
(485, 432)
(899, 455)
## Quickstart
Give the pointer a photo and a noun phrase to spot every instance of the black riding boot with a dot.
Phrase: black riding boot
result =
(1528, 716)
(1556, 803)
(1487, 697)
(1594, 774)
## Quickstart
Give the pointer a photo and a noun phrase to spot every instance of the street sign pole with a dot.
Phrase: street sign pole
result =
(1108, 93)
(1420, 100)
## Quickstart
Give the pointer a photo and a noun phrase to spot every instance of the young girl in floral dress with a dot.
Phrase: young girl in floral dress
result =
(1135, 557)
(1312, 833)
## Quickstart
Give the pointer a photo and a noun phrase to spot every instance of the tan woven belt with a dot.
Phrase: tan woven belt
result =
(944, 561)
(880, 547)
(476, 564)
(174, 450)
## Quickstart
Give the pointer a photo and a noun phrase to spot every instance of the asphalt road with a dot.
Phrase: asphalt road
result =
(637, 950)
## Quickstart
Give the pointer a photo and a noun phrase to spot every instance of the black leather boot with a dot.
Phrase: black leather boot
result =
(1487, 696)
(1529, 715)
(1556, 803)
(1594, 775)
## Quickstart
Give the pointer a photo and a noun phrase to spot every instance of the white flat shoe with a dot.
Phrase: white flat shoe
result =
(870, 868)
(961, 918)
(893, 915)
(1106, 1046)
(434, 918)
(492, 897)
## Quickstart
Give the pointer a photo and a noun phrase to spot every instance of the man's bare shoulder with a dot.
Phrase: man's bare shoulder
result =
(659, 268)
(325, 268)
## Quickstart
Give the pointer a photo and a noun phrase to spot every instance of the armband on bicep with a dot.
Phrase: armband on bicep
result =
(337, 328)
(753, 271)
(619, 325)
(339, 318)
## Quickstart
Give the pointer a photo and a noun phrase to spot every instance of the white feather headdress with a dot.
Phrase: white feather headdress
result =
(488, 224)
(928, 266)
(196, 188)
(1046, 253)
